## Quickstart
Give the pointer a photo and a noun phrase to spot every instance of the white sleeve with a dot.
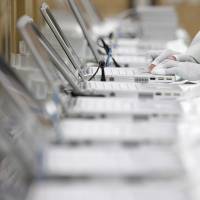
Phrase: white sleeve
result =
(194, 48)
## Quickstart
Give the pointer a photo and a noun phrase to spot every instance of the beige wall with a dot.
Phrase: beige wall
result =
(111, 7)
(189, 14)
(5, 28)
(189, 17)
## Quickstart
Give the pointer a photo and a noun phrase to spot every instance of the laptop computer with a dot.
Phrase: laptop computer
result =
(136, 74)
(64, 162)
(33, 38)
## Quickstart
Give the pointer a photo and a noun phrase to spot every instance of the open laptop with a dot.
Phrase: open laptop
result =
(137, 74)
(63, 161)
(32, 36)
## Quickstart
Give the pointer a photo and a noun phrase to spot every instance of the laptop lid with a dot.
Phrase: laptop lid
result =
(45, 55)
(62, 39)
(74, 8)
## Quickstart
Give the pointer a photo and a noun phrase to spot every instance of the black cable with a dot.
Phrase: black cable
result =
(101, 66)
(116, 63)
(107, 50)
(94, 74)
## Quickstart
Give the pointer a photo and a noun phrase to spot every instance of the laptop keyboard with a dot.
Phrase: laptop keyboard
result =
(111, 86)
(118, 72)
(104, 105)
(112, 71)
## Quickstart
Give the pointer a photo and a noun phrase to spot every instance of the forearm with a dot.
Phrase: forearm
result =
(194, 48)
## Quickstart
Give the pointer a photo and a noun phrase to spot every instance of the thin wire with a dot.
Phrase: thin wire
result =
(101, 43)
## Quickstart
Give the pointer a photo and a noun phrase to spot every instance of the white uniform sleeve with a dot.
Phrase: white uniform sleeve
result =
(194, 48)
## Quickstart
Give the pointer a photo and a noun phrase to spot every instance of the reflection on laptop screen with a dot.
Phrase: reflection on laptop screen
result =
(62, 39)
(74, 8)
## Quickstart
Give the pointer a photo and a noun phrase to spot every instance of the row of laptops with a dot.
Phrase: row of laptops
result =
(59, 160)
(65, 147)
(43, 165)
(115, 91)
(138, 74)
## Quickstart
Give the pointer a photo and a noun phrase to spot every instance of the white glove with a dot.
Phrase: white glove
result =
(158, 57)
(186, 70)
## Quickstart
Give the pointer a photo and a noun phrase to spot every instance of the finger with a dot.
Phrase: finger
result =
(173, 57)
(152, 66)
(164, 55)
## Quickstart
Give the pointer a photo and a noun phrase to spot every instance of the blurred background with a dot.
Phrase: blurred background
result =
(10, 10)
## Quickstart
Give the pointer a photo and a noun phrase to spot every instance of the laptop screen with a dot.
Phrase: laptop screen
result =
(60, 36)
(45, 55)
(74, 8)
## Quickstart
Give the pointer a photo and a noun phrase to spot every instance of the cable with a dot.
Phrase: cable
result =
(108, 51)
(101, 66)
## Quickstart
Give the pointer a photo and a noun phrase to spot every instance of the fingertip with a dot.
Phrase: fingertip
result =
(151, 67)
(172, 58)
